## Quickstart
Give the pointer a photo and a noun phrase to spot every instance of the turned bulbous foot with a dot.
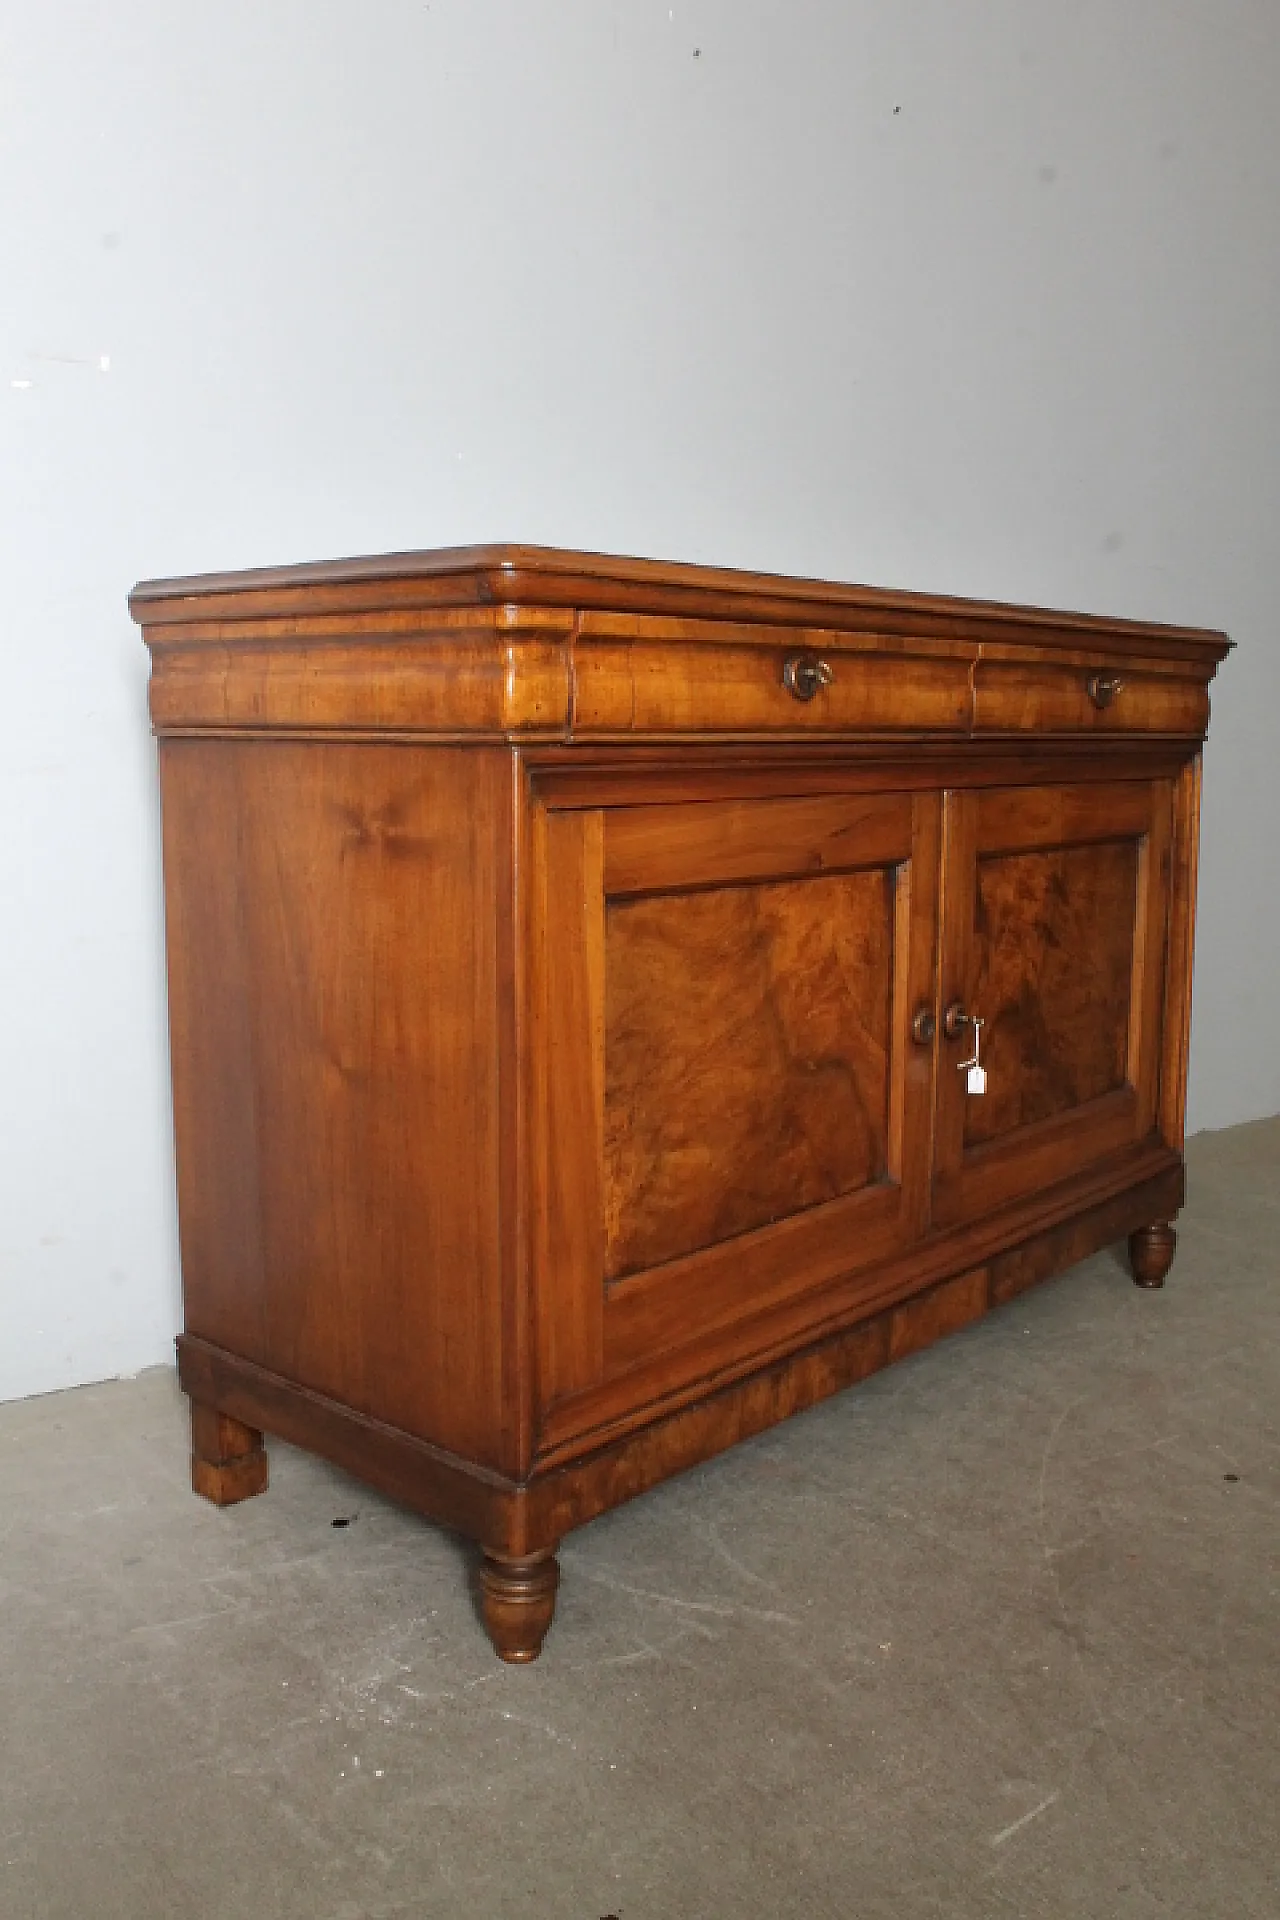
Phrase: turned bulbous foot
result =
(518, 1598)
(228, 1459)
(1151, 1252)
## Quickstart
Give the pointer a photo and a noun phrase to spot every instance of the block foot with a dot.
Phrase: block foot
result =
(228, 1459)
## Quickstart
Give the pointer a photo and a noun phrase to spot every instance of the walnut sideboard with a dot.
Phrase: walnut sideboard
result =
(576, 967)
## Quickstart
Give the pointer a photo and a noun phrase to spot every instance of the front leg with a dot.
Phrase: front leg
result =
(228, 1459)
(518, 1599)
(1151, 1252)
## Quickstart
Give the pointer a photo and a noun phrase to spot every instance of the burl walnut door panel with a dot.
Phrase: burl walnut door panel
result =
(746, 1058)
(738, 1114)
(1054, 915)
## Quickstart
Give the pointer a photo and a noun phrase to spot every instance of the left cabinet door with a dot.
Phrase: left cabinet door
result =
(729, 1115)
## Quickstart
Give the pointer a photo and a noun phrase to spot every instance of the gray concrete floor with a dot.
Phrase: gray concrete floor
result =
(993, 1635)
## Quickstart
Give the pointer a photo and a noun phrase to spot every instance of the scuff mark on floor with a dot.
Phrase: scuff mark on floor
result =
(1007, 1833)
(712, 1607)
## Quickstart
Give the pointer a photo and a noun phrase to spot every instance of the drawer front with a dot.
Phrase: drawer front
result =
(803, 684)
(1086, 697)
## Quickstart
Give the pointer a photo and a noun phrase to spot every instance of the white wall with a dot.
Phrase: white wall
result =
(970, 295)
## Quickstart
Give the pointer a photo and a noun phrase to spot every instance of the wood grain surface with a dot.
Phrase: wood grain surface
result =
(1017, 695)
(1055, 932)
(527, 576)
(746, 1058)
(332, 934)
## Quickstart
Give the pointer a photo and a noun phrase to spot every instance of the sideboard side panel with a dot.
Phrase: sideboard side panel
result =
(333, 927)
(212, 1050)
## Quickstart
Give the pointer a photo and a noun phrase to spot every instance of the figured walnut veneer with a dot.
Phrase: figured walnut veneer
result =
(567, 962)
(1055, 1031)
(746, 1058)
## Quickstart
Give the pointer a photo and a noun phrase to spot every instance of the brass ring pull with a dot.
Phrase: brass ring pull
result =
(803, 674)
(1102, 688)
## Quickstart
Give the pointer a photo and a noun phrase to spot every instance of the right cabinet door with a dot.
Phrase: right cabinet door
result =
(1054, 918)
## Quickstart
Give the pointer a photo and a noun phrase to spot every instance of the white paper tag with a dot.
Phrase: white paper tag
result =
(977, 1079)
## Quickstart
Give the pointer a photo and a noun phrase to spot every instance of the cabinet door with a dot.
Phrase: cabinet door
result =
(730, 1113)
(1054, 926)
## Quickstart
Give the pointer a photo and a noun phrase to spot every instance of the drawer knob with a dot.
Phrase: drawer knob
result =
(1102, 688)
(955, 1020)
(804, 673)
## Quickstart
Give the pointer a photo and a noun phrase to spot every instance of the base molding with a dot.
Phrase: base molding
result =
(516, 1520)
(578, 1491)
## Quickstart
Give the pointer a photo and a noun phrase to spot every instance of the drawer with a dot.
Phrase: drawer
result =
(1085, 697)
(799, 683)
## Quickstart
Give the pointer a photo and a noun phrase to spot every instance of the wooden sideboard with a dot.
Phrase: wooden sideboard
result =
(572, 966)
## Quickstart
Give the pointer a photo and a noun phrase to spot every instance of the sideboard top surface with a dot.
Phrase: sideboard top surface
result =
(516, 576)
